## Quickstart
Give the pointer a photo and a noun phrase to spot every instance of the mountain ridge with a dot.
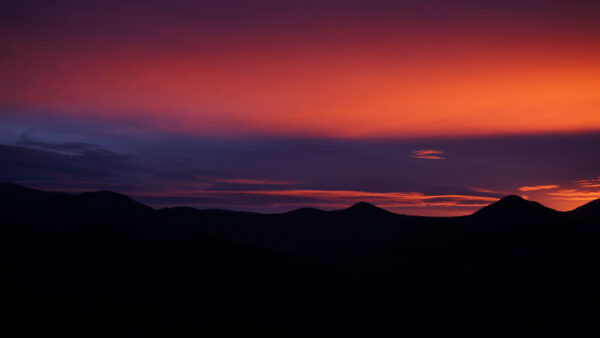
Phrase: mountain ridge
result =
(507, 204)
(94, 255)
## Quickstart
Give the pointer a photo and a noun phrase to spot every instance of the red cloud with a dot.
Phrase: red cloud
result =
(539, 187)
(576, 195)
(430, 154)
(593, 183)
(337, 198)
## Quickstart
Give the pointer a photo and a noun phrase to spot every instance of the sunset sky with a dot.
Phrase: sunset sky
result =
(430, 107)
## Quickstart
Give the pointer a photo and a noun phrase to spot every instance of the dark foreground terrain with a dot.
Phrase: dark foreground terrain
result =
(102, 265)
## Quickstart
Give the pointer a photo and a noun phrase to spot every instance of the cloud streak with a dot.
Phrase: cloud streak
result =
(592, 183)
(429, 154)
(539, 187)
(328, 198)
(575, 195)
(287, 173)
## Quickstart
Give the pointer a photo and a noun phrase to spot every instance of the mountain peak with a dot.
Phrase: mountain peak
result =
(365, 208)
(514, 201)
(513, 205)
(363, 205)
(512, 198)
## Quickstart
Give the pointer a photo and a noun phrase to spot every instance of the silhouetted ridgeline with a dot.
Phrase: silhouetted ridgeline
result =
(103, 265)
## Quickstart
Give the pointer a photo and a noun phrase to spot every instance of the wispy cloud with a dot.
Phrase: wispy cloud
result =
(539, 187)
(489, 191)
(332, 198)
(575, 195)
(584, 190)
(592, 183)
(429, 154)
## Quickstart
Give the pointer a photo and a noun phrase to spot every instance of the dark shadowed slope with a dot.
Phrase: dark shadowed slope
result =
(103, 265)
(589, 211)
(16, 196)
(108, 201)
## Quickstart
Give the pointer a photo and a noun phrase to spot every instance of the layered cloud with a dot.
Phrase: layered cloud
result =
(429, 154)
(539, 187)
(591, 183)
(575, 195)
(490, 191)
(279, 174)
(581, 190)
(330, 198)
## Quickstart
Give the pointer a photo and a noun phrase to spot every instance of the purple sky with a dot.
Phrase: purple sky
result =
(428, 107)
(276, 174)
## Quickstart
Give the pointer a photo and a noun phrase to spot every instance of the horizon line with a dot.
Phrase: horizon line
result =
(132, 197)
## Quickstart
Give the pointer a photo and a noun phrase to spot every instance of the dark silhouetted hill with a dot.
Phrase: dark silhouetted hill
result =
(103, 265)
(515, 207)
(108, 201)
(362, 209)
(589, 211)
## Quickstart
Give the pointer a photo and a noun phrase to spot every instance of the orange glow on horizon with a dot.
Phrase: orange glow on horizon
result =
(422, 204)
(412, 203)
(409, 89)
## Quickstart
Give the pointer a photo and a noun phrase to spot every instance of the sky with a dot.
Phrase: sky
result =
(429, 107)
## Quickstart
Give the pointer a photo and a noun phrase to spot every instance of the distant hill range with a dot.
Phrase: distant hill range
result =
(100, 264)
